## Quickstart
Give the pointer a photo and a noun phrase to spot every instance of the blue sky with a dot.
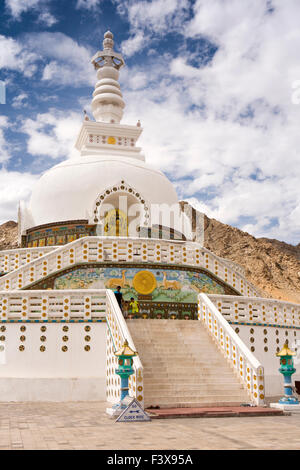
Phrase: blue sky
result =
(215, 84)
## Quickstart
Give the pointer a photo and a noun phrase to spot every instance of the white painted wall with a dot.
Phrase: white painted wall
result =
(273, 378)
(53, 375)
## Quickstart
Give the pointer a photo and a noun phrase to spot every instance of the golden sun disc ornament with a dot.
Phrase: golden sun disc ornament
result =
(111, 140)
(144, 282)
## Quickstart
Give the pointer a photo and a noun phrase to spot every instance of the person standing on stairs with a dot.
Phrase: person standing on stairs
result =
(119, 298)
(134, 307)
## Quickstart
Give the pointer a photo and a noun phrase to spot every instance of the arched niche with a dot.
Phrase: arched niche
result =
(120, 210)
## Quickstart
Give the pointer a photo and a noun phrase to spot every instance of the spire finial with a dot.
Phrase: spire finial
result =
(107, 104)
(108, 42)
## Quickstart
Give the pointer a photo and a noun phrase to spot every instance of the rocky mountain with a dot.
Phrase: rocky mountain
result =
(8, 235)
(271, 265)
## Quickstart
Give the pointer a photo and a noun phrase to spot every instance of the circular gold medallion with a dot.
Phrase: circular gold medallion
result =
(111, 140)
(144, 282)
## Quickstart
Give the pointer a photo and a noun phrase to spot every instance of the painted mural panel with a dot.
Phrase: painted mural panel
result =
(170, 286)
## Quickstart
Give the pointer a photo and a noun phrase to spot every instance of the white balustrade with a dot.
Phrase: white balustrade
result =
(52, 305)
(125, 250)
(234, 266)
(254, 310)
(13, 259)
(247, 367)
(117, 333)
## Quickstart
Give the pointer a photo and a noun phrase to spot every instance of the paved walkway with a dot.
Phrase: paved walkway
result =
(86, 426)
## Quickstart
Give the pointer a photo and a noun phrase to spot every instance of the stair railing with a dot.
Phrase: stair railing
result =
(257, 310)
(117, 333)
(52, 305)
(248, 369)
(14, 258)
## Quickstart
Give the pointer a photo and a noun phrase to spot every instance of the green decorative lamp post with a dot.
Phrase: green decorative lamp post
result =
(287, 370)
(125, 361)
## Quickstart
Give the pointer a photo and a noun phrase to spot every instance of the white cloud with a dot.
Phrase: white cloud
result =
(69, 62)
(157, 15)
(133, 44)
(149, 19)
(14, 56)
(14, 186)
(88, 4)
(4, 145)
(52, 134)
(20, 100)
(47, 18)
(17, 7)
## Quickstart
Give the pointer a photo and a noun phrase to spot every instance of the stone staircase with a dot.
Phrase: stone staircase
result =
(183, 367)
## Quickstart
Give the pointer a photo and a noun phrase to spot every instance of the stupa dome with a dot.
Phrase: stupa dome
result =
(69, 190)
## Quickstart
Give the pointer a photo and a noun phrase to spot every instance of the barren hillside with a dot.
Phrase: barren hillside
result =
(8, 235)
(272, 265)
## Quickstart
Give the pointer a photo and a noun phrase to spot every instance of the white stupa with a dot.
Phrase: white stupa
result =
(110, 165)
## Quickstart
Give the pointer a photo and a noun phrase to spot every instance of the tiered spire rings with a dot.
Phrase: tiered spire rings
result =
(108, 103)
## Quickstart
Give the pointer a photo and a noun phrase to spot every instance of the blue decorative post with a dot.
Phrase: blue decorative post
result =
(287, 370)
(125, 355)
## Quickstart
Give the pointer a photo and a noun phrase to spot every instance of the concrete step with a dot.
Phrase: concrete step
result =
(183, 403)
(192, 397)
(189, 367)
(201, 347)
(191, 362)
(155, 381)
(183, 366)
(174, 347)
(193, 386)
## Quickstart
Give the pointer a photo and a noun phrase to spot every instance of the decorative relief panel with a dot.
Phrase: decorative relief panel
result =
(167, 285)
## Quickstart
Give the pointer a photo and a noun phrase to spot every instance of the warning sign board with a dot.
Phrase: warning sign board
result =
(134, 412)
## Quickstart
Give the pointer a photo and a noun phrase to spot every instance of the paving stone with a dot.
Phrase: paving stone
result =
(85, 425)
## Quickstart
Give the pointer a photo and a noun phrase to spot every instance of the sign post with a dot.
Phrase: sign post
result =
(133, 413)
